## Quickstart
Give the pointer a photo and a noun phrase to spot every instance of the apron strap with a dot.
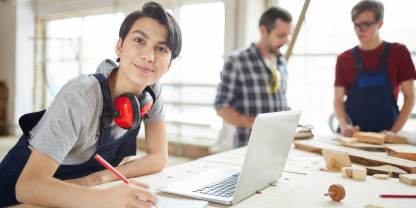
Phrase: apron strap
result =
(383, 58)
(357, 59)
(106, 114)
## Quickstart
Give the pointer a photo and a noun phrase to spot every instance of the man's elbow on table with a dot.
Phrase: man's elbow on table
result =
(161, 163)
(22, 188)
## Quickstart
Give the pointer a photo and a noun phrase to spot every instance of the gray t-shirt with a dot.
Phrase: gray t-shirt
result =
(69, 130)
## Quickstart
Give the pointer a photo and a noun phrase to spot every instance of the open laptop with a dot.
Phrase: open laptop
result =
(268, 148)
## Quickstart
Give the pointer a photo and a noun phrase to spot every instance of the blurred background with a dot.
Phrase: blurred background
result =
(45, 43)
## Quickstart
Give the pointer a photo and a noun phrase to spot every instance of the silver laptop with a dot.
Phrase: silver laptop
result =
(268, 148)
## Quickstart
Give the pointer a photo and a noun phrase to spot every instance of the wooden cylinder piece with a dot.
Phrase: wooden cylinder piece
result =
(336, 192)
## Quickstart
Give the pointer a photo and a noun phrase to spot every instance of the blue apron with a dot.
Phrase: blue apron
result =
(370, 102)
(112, 151)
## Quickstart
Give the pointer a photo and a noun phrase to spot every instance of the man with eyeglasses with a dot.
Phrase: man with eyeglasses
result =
(371, 75)
(254, 79)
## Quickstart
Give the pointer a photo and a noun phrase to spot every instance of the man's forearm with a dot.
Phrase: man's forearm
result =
(340, 113)
(47, 191)
(234, 117)
(403, 115)
(148, 164)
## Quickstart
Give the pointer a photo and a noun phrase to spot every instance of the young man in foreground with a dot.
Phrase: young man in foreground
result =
(52, 164)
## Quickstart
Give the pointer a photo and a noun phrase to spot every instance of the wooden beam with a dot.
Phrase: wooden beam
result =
(359, 156)
(297, 29)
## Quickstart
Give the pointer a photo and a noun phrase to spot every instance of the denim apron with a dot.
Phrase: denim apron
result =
(370, 102)
(112, 151)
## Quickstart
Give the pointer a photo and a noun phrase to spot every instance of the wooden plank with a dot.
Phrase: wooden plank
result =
(392, 171)
(360, 146)
(370, 137)
(396, 139)
(359, 156)
(297, 29)
(309, 192)
(402, 151)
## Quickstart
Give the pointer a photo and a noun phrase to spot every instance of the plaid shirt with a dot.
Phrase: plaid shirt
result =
(245, 87)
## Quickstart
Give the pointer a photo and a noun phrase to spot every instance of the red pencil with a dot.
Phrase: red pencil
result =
(397, 196)
(110, 167)
(115, 171)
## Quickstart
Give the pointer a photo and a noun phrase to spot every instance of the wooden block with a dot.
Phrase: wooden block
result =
(392, 171)
(347, 140)
(335, 160)
(409, 179)
(346, 172)
(356, 173)
(303, 133)
(381, 176)
(404, 151)
(370, 137)
(358, 156)
(359, 174)
(396, 139)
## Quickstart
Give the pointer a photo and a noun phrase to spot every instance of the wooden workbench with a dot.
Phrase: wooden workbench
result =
(299, 164)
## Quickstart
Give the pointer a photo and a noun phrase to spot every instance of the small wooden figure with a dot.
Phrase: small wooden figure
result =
(409, 179)
(370, 137)
(335, 160)
(356, 173)
(336, 192)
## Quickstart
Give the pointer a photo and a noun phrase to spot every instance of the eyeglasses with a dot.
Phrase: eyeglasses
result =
(364, 25)
(275, 82)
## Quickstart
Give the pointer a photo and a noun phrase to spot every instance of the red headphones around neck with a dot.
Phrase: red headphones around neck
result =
(128, 109)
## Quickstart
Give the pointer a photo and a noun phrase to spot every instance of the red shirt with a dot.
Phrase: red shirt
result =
(399, 65)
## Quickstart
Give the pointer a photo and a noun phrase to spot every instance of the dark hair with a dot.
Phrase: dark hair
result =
(155, 11)
(269, 17)
(374, 6)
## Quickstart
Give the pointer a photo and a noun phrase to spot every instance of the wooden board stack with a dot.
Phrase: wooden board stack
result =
(402, 151)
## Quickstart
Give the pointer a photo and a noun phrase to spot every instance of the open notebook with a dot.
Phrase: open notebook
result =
(165, 202)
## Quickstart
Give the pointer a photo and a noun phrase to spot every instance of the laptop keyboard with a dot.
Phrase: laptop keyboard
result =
(223, 188)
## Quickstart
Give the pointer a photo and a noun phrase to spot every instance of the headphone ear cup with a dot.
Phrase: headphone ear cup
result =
(146, 103)
(128, 106)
